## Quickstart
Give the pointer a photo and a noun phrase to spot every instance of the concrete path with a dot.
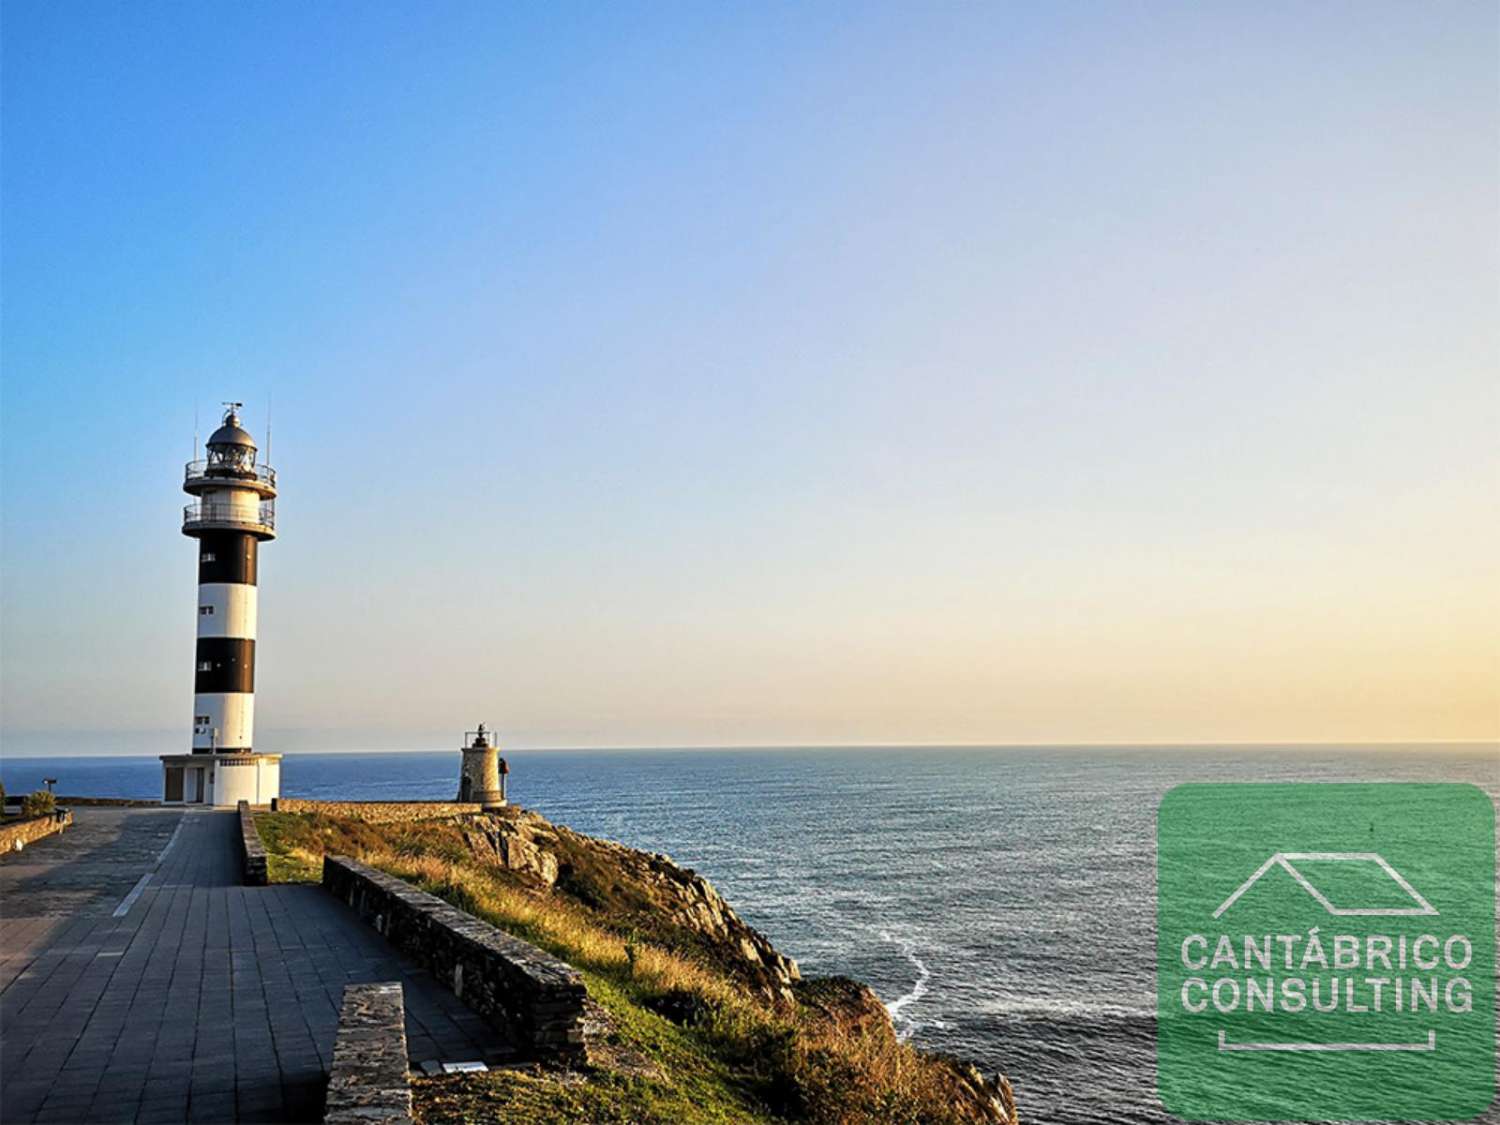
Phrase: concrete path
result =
(140, 982)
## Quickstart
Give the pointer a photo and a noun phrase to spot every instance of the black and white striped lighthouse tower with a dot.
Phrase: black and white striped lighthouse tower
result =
(234, 513)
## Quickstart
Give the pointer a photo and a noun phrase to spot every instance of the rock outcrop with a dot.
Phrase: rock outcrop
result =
(522, 844)
(992, 1099)
(856, 1011)
(643, 892)
(847, 1004)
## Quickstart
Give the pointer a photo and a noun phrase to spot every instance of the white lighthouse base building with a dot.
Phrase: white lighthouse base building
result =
(221, 780)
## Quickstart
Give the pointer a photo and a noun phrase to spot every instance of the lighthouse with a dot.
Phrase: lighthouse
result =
(233, 513)
(481, 777)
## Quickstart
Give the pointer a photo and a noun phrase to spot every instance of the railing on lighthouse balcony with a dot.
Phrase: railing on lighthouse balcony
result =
(210, 472)
(212, 515)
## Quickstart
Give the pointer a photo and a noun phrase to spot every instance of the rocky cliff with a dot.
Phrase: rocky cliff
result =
(640, 891)
(652, 896)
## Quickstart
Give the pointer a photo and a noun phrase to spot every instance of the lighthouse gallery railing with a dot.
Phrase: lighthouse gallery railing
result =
(198, 470)
(204, 511)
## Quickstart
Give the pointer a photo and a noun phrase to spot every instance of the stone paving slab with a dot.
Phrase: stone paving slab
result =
(196, 1000)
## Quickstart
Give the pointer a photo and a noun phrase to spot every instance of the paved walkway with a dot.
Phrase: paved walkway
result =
(140, 982)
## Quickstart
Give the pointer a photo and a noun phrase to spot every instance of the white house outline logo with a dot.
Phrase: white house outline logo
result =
(1283, 860)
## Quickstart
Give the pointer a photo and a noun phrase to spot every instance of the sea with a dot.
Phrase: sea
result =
(1000, 901)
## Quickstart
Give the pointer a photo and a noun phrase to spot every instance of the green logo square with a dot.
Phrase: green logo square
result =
(1326, 951)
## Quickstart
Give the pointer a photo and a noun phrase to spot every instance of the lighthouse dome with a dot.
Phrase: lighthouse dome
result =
(230, 433)
(231, 450)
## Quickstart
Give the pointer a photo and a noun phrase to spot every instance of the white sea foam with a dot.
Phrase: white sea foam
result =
(906, 1026)
(1048, 1006)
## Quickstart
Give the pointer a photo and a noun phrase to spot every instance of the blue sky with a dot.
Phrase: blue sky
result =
(673, 374)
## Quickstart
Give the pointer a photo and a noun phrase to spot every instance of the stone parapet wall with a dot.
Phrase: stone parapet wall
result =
(535, 1000)
(378, 812)
(252, 851)
(101, 802)
(18, 833)
(369, 1082)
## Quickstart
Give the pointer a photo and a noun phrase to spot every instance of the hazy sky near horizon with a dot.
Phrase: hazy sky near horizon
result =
(761, 373)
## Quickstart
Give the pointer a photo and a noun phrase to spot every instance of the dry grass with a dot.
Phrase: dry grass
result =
(563, 928)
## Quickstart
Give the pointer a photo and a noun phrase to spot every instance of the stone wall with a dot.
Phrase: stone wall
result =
(103, 802)
(368, 1083)
(378, 812)
(16, 834)
(252, 851)
(532, 998)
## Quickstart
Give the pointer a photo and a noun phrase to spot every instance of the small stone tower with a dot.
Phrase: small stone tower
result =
(480, 778)
(233, 514)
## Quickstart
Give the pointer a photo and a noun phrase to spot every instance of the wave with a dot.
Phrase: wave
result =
(1041, 1005)
(906, 1026)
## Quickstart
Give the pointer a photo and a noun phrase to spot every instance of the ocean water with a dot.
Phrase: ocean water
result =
(1001, 902)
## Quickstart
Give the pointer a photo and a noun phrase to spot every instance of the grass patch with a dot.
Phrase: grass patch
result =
(294, 868)
(543, 1099)
(294, 854)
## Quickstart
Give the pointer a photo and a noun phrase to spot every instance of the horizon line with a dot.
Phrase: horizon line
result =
(1385, 744)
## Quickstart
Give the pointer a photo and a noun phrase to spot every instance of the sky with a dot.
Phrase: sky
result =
(759, 374)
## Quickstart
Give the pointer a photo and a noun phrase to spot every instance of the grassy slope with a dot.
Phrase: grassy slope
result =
(736, 1059)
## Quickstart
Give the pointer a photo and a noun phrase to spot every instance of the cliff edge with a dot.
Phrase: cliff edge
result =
(641, 892)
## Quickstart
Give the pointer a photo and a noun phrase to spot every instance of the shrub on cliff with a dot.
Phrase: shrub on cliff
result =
(40, 803)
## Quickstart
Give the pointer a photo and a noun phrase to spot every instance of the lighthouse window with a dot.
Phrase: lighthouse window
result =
(208, 556)
(205, 665)
(206, 610)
